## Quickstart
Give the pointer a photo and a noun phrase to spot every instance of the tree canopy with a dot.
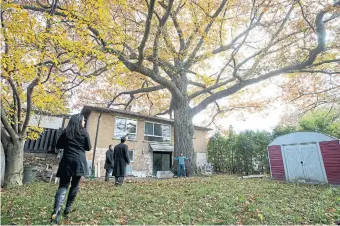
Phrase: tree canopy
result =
(205, 50)
(194, 52)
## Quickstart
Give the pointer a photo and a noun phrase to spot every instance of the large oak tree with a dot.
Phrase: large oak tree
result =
(203, 51)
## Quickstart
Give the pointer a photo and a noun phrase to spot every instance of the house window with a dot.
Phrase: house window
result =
(125, 127)
(157, 132)
(131, 155)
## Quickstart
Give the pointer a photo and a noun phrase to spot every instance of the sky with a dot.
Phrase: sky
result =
(265, 119)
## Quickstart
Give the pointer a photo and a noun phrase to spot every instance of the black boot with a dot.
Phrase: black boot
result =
(70, 198)
(58, 203)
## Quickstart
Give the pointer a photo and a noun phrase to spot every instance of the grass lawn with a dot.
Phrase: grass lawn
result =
(219, 199)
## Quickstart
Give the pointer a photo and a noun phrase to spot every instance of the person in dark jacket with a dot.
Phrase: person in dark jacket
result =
(121, 159)
(75, 141)
(108, 163)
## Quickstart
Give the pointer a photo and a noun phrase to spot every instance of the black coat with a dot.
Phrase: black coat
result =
(109, 160)
(120, 158)
(73, 162)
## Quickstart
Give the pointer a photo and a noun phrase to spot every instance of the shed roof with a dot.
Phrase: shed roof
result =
(301, 137)
(88, 109)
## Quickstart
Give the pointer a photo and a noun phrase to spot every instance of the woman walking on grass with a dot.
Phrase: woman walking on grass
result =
(75, 141)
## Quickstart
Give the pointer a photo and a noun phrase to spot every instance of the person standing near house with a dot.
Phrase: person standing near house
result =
(108, 163)
(121, 159)
(74, 140)
(181, 165)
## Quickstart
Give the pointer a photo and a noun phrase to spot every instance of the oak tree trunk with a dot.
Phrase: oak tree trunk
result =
(183, 134)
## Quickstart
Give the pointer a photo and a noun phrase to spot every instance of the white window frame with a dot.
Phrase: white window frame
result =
(114, 131)
(154, 131)
(133, 155)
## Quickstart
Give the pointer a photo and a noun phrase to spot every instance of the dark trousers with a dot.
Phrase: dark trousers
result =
(107, 174)
(119, 180)
(61, 192)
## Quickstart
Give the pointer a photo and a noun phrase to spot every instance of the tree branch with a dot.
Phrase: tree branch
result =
(138, 68)
(168, 111)
(304, 17)
(18, 105)
(7, 126)
(229, 46)
(211, 88)
(319, 71)
(131, 66)
(325, 62)
(158, 34)
(178, 28)
(146, 32)
(137, 91)
(321, 43)
(271, 42)
(29, 105)
(198, 46)
(5, 139)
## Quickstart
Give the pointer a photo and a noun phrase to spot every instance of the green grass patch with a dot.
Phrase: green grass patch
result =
(219, 199)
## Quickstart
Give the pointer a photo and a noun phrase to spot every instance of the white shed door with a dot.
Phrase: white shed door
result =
(304, 162)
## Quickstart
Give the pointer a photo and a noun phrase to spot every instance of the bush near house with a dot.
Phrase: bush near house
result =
(243, 153)
(221, 199)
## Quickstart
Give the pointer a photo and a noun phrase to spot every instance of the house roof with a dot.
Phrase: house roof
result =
(301, 137)
(87, 109)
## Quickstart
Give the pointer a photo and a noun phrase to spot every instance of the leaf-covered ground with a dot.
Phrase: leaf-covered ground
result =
(220, 199)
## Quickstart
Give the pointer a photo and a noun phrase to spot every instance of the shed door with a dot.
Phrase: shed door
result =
(304, 162)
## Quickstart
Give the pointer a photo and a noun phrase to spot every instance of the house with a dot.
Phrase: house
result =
(150, 139)
(307, 156)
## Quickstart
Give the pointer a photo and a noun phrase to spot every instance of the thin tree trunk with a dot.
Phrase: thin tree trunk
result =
(14, 157)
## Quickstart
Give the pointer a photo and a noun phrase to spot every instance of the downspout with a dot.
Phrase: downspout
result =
(96, 139)
(97, 131)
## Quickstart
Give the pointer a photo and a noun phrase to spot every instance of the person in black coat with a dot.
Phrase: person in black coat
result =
(75, 141)
(108, 163)
(121, 159)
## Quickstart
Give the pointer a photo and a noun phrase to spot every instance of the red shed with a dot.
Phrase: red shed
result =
(309, 156)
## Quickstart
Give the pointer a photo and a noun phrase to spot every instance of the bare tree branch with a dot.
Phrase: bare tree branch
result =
(304, 16)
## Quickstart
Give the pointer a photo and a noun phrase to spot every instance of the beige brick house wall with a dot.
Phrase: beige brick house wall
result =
(142, 153)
